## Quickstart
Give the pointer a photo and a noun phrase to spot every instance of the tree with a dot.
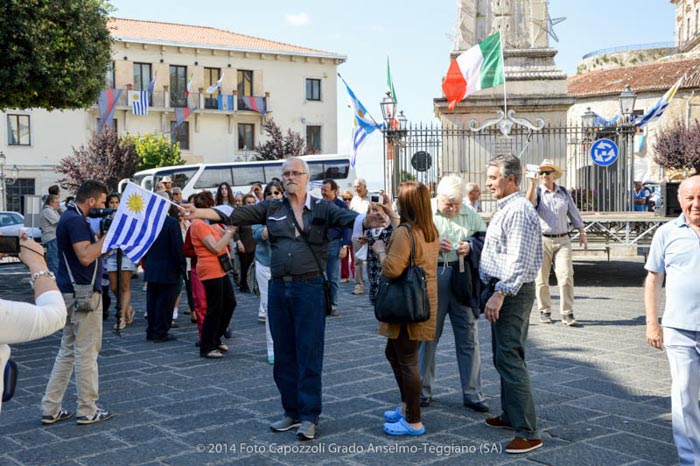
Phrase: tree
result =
(53, 54)
(156, 150)
(106, 158)
(678, 147)
(279, 146)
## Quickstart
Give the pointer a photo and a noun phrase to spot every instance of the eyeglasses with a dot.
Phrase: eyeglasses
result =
(347, 199)
(546, 172)
(273, 193)
(292, 173)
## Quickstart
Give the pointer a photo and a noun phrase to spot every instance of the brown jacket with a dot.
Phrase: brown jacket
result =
(426, 255)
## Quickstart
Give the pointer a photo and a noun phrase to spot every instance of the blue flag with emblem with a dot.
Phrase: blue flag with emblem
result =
(137, 222)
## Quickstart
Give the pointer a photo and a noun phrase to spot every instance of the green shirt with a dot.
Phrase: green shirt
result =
(456, 229)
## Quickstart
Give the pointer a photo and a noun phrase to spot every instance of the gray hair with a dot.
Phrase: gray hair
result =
(361, 181)
(299, 159)
(50, 198)
(452, 187)
(472, 186)
(509, 165)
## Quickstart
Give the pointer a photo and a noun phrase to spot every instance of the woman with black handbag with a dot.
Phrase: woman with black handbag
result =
(413, 243)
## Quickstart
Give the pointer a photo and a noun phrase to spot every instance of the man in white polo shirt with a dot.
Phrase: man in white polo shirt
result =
(675, 254)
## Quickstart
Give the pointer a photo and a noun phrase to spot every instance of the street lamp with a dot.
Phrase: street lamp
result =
(388, 106)
(395, 130)
(6, 179)
(627, 99)
(588, 118)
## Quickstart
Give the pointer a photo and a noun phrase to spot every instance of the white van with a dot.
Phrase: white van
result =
(241, 175)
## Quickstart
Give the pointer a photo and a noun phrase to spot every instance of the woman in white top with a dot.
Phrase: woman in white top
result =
(20, 322)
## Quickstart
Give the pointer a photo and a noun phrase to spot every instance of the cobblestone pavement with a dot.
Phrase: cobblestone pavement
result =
(602, 394)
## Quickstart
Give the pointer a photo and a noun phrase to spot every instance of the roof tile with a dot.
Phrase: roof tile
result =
(658, 76)
(203, 36)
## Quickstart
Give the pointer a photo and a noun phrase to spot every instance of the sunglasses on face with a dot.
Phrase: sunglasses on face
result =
(546, 172)
(347, 199)
(273, 193)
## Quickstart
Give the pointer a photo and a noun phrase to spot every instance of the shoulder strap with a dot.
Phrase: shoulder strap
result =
(72, 280)
(290, 212)
(411, 260)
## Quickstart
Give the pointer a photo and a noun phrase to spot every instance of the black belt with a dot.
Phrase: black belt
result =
(449, 264)
(296, 278)
(555, 236)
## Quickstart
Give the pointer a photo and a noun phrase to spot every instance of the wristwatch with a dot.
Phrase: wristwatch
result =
(502, 293)
(40, 273)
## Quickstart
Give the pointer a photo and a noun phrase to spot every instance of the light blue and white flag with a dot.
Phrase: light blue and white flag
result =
(139, 102)
(660, 106)
(137, 222)
(363, 123)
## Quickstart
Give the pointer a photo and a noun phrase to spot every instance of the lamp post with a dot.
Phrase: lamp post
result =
(627, 99)
(6, 179)
(395, 130)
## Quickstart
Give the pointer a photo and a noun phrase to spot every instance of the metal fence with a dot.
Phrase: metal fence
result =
(428, 152)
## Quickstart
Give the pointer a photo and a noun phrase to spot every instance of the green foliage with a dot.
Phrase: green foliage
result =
(406, 176)
(106, 158)
(156, 150)
(53, 53)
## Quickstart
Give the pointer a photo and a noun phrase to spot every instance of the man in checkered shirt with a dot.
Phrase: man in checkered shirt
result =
(510, 260)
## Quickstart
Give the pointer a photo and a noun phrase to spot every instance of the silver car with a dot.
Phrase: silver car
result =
(12, 222)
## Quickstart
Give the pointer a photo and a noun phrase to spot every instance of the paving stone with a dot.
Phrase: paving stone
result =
(167, 400)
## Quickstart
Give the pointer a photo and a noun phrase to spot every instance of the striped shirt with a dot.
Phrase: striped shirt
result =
(513, 246)
(555, 209)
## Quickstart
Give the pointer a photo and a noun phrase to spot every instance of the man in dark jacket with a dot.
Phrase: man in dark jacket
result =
(165, 266)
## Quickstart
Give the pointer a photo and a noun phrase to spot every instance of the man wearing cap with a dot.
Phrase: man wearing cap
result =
(555, 208)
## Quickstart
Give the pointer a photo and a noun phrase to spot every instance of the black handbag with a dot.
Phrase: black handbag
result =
(461, 283)
(9, 380)
(225, 261)
(326, 283)
(404, 299)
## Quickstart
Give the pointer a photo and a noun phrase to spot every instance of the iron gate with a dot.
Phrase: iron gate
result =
(465, 152)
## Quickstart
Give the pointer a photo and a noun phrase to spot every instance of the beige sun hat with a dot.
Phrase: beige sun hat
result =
(549, 164)
(166, 179)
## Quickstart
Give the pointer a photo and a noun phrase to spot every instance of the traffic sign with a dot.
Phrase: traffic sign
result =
(421, 161)
(604, 152)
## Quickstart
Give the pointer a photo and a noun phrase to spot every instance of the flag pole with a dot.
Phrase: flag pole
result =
(503, 63)
(153, 192)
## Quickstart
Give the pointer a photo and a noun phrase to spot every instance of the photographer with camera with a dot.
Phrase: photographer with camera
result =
(79, 254)
(21, 322)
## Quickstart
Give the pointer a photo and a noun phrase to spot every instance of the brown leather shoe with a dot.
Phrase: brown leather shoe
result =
(523, 445)
(497, 423)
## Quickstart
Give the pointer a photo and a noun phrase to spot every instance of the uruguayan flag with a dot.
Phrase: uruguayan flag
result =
(137, 222)
(660, 106)
(139, 102)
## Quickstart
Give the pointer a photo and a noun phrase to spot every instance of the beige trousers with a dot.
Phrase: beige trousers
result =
(80, 346)
(359, 264)
(556, 251)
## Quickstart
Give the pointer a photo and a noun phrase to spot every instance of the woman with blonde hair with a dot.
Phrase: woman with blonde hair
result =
(416, 227)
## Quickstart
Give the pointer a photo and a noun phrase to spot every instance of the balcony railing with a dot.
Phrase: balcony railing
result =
(201, 101)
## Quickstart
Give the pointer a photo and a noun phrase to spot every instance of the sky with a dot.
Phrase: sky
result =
(415, 35)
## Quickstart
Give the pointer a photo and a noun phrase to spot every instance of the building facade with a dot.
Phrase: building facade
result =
(258, 79)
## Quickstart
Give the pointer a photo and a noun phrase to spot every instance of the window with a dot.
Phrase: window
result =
(142, 78)
(246, 136)
(243, 176)
(109, 76)
(16, 192)
(212, 177)
(313, 138)
(180, 176)
(18, 130)
(245, 83)
(313, 89)
(178, 86)
(211, 76)
(180, 134)
(115, 126)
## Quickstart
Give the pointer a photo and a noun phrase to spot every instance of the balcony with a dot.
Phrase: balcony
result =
(231, 103)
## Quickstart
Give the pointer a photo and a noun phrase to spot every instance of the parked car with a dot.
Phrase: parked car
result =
(12, 222)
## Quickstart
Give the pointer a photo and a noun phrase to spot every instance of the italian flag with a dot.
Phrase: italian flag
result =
(478, 68)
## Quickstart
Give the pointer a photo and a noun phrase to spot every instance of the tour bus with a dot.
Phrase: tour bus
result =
(240, 175)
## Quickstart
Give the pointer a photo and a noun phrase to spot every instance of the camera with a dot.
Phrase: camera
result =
(375, 198)
(105, 215)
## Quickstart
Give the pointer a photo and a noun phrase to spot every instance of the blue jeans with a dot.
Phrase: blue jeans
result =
(52, 255)
(296, 311)
(333, 268)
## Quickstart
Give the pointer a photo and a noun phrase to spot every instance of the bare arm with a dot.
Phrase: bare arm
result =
(217, 246)
(88, 252)
(532, 191)
(652, 295)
